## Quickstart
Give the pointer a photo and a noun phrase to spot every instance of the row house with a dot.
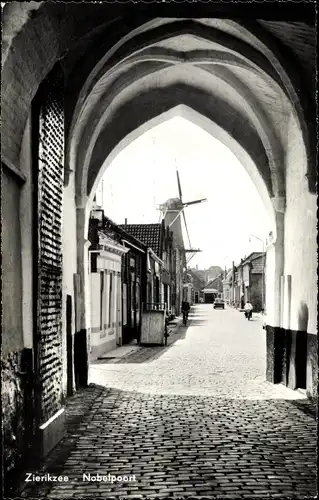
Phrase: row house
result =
(134, 286)
(154, 274)
(248, 281)
(118, 277)
(238, 286)
(188, 288)
(105, 274)
(133, 268)
(200, 278)
(227, 287)
(198, 282)
(206, 275)
(188, 293)
(213, 289)
(166, 285)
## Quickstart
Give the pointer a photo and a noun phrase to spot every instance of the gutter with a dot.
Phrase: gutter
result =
(131, 244)
(155, 257)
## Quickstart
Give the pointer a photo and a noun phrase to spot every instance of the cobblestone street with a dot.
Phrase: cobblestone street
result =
(192, 419)
(220, 354)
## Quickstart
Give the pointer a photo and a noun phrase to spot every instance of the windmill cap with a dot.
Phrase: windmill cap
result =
(174, 203)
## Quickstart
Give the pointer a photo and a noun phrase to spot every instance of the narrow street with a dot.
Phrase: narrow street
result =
(219, 354)
(195, 418)
(153, 157)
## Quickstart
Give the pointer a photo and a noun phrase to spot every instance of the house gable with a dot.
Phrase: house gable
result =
(148, 234)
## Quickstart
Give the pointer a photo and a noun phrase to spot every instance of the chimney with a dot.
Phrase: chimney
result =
(196, 267)
(125, 222)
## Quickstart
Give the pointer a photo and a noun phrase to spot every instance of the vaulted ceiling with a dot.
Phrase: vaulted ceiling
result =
(125, 66)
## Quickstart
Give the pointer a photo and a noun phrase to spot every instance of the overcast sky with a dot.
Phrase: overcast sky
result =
(143, 176)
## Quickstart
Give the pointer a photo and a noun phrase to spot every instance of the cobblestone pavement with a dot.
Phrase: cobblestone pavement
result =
(220, 354)
(214, 444)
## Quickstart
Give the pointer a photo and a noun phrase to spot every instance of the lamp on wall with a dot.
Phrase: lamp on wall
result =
(98, 214)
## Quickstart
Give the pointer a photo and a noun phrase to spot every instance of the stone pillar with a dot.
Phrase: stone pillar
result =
(81, 338)
(276, 341)
(27, 256)
(26, 222)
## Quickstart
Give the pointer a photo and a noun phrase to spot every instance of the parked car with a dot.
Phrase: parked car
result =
(219, 304)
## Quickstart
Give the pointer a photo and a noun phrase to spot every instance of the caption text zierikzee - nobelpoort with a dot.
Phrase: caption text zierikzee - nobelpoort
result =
(86, 477)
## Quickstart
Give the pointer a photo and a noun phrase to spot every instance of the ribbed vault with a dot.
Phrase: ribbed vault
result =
(247, 77)
(187, 64)
(205, 124)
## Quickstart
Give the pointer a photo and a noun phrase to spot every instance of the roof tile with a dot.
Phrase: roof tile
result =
(149, 234)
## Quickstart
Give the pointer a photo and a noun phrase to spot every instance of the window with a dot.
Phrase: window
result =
(164, 258)
(101, 299)
(124, 313)
(110, 300)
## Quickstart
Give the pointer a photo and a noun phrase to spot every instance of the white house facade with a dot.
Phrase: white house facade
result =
(106, 297)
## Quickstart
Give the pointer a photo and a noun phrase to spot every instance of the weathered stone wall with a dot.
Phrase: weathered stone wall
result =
(13, 424)
(312, 366)
(69, 243)
(12, 337)
(300, 235)
(292, 356)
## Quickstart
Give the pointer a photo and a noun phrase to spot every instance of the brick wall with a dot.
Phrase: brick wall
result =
(49, 116)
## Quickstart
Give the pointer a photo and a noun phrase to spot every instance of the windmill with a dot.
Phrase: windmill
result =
(176, 207)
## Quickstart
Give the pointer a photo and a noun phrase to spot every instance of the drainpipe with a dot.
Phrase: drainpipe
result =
(233, 282)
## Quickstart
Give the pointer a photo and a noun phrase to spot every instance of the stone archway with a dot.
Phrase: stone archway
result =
(274, 205)
(242, 96)
(125, 97)
(214, 130)
(223, 52)
(103, 48)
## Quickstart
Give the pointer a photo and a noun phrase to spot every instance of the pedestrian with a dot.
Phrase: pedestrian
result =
(248, 309)
(185, 310)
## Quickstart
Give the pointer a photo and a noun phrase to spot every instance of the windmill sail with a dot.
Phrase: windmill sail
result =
(179, 186)
(174, 207)
(194, 202)
(189, 241)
